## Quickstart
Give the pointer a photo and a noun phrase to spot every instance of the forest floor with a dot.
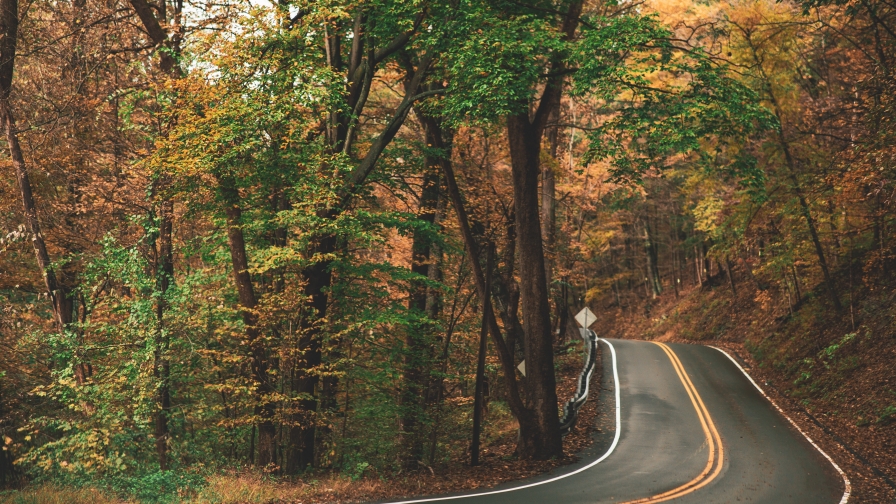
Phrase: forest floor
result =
(832, 373)
(497, 465)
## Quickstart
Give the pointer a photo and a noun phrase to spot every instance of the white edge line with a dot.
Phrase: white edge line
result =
(530, 485)
(846, 484)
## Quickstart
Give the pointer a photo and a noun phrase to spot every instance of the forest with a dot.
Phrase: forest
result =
(278, 241)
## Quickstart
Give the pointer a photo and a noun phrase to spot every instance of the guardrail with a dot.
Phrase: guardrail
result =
(571, 408)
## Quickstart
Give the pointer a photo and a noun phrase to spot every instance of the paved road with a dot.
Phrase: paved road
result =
(693, 429)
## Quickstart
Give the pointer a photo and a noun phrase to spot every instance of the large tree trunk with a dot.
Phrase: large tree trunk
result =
(549, 228)
(548, 203)
(540, 440)
(301, 447)
(540, 432)
(264, 408)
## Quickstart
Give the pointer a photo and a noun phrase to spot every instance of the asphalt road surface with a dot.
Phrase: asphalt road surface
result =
(691, 429)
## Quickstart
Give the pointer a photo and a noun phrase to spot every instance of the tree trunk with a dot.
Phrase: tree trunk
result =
(697, 274)
(548, 203)
(505, 349)
(438, 381)
(164, 258)
(653, 279)
(480, 364)
(796, 285)
(63, 307)
(543, 441)
(789, 297)
(791, 173)
(819, 250)
(418, 346)
(162, 364)
(730, 276)
(318, 277)
(264, 408)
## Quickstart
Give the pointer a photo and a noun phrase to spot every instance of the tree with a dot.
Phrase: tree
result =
(58, 293)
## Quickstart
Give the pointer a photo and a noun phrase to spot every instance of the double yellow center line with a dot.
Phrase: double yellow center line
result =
(713, 440)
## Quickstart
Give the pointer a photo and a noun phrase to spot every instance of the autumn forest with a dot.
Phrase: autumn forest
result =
(291, 242)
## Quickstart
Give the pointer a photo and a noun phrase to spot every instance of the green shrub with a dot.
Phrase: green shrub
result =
(159, 487)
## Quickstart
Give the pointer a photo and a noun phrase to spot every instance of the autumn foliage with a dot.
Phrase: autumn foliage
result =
(239, 235)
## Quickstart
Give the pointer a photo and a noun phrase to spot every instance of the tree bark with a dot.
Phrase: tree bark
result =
(480, 364)
(819, 250)
(697, 268)
(301, 446)
(548, 202)
(544, 440)
(730, 276)
(539, 438)
(318, 277)
(650, 250)
(157, 34)
(264, 408)
(162, 365)
(796, 285)
(59, 294)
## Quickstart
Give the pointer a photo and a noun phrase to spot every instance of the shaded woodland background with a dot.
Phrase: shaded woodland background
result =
(257, 235)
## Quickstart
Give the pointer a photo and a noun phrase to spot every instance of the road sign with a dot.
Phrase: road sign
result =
(586, 317)
(522, 368)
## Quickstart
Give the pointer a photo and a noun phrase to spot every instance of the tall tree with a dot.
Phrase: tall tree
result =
(169, 50)
(59, 293)
(525, 136)
(365, 56)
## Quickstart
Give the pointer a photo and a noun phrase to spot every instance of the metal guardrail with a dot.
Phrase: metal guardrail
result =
(571, 408)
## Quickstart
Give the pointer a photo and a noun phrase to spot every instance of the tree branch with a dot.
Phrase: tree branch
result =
(399, 41)
(360, 174)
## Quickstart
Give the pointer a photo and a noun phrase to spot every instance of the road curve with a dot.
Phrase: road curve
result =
(692, 429)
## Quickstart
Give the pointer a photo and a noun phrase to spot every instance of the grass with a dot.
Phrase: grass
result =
(50, 494)
(254, 489)
(221, 489)
(887, 416)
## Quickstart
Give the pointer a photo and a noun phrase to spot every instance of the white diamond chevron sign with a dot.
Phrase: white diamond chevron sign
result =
(522, 368)
(586, 317)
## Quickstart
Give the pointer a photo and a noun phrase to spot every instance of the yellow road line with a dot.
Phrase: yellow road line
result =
(713, 439)
(712, 427)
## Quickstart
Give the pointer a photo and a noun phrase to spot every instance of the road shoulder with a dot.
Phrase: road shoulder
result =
(867, 482)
